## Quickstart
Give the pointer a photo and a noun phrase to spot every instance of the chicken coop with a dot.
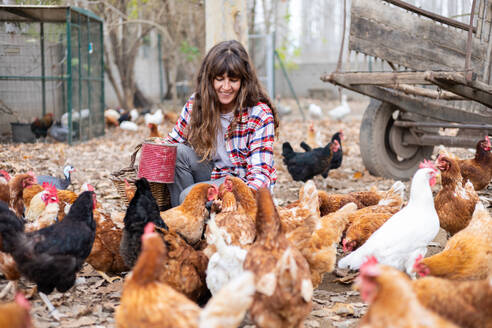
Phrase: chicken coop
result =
(52, 62)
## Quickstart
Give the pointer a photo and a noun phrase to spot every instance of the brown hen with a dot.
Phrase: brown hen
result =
(478, 169)
(284, 290)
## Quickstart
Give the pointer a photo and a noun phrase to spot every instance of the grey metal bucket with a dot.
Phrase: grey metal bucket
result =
(21, 132)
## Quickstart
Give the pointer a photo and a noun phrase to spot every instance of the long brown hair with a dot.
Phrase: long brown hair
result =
(231, 58)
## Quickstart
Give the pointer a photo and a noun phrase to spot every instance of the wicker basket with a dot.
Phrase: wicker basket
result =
(159, 190)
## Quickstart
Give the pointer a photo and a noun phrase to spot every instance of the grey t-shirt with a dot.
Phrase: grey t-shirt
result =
(221, 157)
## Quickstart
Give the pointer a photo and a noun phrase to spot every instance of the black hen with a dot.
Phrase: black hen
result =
(52, 256)
(142, 209)
(305, 166)
(337, 158)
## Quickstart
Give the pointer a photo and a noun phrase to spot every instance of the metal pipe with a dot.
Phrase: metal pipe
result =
(434, 140)
(468, 70)
(409, 124)
(436, 17)
(69, 74)
(43, 68)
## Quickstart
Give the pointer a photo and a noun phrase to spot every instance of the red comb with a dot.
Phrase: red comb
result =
(427, 164)
(149, 228)
(5, 174)
(370, 262)
(22, 301)
(49, 188)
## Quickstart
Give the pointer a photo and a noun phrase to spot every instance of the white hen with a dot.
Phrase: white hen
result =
(226, 263)
(405, 236)
(155, 118)
(341, 110)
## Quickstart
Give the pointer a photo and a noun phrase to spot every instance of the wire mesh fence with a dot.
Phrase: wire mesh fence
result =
(52, 62)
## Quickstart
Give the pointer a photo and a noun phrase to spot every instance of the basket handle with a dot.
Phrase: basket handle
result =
(134, 155)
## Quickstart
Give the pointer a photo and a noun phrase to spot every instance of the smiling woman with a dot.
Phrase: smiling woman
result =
(227, 127)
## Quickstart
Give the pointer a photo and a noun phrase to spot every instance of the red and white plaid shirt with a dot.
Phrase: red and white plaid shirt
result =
(249, 145)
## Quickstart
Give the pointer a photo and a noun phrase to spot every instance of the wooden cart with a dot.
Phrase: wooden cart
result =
(439, 92)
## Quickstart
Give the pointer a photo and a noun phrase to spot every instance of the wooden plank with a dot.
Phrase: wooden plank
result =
(431, 15)
(426, 107)
(456, 83)
(378, 77)
(405, 39)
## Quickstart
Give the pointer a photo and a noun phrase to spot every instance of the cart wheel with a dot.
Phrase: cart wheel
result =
(380, 143)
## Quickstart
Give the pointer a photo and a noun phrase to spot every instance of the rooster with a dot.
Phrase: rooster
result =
(40, 126)
(284, 290)
(392, 300)
(478, 169)
(467, 255)
(455, 202)
(405, 236)
(146, 301)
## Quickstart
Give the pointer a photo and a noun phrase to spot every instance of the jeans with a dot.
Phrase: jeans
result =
(189, 171)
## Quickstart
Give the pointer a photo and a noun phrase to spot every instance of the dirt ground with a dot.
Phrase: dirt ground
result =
(92, 303)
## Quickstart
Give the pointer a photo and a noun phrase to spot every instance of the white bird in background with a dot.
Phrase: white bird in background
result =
(315, 111)
(405, 236)
(134, 115)
(341, 110)
(155, 118)
(129, 126)
(112, 113)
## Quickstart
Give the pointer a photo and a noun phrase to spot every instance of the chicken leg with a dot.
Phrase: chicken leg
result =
(107, 278)
(53, 311)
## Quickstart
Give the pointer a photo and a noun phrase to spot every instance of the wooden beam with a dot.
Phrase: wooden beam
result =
(403, 38)
(356, 78)
(428, 93)
(426, 107)
(456, 83)
(431, 15)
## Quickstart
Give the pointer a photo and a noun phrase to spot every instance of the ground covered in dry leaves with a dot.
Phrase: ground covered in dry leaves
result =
(92, 303)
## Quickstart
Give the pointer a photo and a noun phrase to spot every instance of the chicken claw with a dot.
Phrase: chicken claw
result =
(107, 278)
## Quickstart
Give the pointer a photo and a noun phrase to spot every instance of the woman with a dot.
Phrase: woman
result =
(227, 127)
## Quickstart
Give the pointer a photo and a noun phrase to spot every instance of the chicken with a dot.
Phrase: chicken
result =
(185, 267)
(313, 139)
(65, 197)
(455, 202)
(392, 300)
(321, 253)
(329, 203)
(305, 166)
(40, 201)
(238, 228)
(49, 213)
(146, 301)
(16, 187)
(16, 314)
(363, 222)
(154, 131)
(467, 255)
(284, 290)
(244, 195)
(303, 211)
(40, 126)
(336, 160)
(466, 303)
(227, 261)
(155, 118)
(129, 190)
(341, 110)
(478, 169)
(142, 209)
(105, 253)
(405, 236)
(52, 256)
(4, 186)
(171, 117)
(57, 182)
(111, 117)
(188, 219)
